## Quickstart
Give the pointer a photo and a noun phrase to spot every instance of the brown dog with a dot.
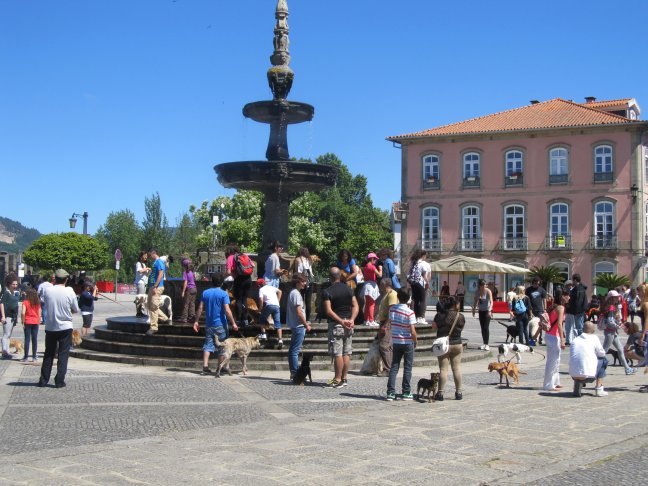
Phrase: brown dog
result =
(17, 345)
(252, 308)
(430, 386)
(506, 369)
(76, 338)
(241, 346)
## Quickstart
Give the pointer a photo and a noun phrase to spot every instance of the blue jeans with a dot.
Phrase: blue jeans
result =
(570, 328)
(296, 341)
(31, 336)
(600, 367)
(580, 322)
(400, 351)
(522, 323)
(271, 310)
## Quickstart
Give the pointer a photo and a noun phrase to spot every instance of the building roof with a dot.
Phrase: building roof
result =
(556, 113)
(620, 104)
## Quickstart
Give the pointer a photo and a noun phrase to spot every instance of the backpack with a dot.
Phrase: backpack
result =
(414, 275)
(632, 304)
(520, 307)
(244, 264)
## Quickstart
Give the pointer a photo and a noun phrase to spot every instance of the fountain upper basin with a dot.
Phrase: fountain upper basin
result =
(269, 111)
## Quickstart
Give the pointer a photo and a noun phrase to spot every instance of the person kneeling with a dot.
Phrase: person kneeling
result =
(587, 360)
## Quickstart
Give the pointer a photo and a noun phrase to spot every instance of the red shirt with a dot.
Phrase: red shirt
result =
(32, 313)
(554, 330)
(369, 272)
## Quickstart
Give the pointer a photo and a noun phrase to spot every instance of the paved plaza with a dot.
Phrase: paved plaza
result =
(125, 424)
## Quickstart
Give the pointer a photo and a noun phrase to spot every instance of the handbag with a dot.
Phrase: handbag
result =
(441, 345)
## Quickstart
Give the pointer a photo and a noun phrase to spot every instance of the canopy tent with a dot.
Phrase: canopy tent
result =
(466, 264)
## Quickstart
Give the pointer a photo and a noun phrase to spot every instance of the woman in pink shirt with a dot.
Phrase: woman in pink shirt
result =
(372, 273)
(555, 338)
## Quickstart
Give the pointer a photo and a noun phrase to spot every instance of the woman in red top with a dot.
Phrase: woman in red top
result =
(31, 318)
(372, 273)
(555, 339)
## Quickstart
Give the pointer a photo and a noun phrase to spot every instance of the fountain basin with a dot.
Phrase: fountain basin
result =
(270, 111)
(269, 176)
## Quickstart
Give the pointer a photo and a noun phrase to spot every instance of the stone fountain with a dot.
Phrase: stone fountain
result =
(278, 178)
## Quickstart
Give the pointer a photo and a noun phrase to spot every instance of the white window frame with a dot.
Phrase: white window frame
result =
(603, 159)
(563, 267)
(514, 162)
(558, 161)
(431, 224)
(471, 164)
(431, 167)
(598, 268)
(518, 215)
(604, 221)
(471, 222)
(559, 219)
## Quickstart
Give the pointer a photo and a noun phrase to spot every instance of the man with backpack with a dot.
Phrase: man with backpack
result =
(575, 311)
(521, 313)
(240, 267)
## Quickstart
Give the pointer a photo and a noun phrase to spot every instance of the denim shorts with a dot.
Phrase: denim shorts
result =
(272, 310)
(210, 343)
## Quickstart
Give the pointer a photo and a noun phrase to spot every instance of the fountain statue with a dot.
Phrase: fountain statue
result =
(278, 178)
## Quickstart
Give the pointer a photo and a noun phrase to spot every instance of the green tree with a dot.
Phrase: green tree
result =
(155, 227)
(71, 251)
(121, 230)
(610, 281)
(546, 274)
(184, 241)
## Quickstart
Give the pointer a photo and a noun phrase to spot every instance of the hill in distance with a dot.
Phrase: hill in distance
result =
(14, 237)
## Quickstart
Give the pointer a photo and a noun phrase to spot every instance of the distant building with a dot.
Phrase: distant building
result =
(552, 183)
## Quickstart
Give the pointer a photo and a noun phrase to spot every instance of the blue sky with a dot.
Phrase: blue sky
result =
(104, 102)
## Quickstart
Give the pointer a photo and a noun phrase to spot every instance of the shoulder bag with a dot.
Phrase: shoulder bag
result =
(441, 345)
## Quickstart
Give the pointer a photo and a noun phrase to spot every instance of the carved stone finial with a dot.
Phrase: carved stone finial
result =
(280, 76)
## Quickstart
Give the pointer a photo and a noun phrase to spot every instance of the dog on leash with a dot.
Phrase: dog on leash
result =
(166, 307)
(241, 346)
(511, 331)
(16, 345)
(505, 349)
(506, 370)
(76, 338)
(304, 371)
(373, 363)
(615, 355)
(430, 386)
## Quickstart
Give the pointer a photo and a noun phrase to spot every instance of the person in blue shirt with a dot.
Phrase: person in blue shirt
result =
(155, 290)
(216, 302)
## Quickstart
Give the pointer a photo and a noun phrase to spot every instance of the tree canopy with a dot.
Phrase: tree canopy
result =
(121, 230)
(71, 251)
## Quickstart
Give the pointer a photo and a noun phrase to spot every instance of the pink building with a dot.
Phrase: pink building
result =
(552, 183)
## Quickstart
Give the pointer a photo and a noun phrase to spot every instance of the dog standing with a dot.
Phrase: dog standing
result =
(16, 345)
(430, 386)
(615, 355)
(165, 313)
(511, 331)
(505, 349)
(506, 370)
(304, 371)
(241, 346)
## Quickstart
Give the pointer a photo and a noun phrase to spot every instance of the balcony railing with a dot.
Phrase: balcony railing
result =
(559, 242)
(513, 244)
(470, 244)
(431, 245)
(471, 181)
(603, 242)
(558, 178)
(603, 176)
(514, 180)
(431, 183)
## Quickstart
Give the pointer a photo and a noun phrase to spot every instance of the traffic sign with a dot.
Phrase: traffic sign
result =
(118, 254)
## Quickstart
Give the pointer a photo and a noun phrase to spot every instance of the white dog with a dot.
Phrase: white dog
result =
(505, 349)
(165, 312)
(372, 364)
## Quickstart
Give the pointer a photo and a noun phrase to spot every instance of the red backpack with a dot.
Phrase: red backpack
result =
(244, 264)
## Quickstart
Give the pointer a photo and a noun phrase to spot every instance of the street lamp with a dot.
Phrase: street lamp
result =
(634, 190)
(73, 221)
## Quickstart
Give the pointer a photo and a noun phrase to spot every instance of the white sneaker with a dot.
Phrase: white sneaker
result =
(600, 392)
(374, 324)
(481, 347)
(486, 347)
(421, 320)
(262, 336)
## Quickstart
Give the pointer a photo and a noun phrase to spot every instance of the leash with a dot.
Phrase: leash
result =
(111, 300)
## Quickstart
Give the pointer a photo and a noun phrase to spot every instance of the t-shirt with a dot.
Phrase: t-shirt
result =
(214, 300)
(190, 278)
(389, 271)
(536, 296)
(426, 269)
(269, 295)
(32, 313)
(553, 320)
(140, 274)
(444, 324)
(402, 319)
(157, 266)
(348, 268)
(341, 297)
(389, 299)
(230, 265)
(41, 290)
(369, 272)
(294, 300)
(583, 355)
(272, 264)
(60, 303)
(10, 299)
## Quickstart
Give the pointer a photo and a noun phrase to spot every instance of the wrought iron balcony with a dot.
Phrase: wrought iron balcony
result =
(470, 244)
(431, 183)
(431, 245)
(471, 181)
(603, 242)
(513, 244)
(559, 242)
(558, 178)
(514, 180)
(603, 176)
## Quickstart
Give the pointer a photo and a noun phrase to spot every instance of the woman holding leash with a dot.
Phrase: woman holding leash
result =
(450, 324)
(555, 338)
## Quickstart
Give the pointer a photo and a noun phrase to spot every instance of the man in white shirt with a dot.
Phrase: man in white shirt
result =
(269, 298)
(587, 358)
(60, 303)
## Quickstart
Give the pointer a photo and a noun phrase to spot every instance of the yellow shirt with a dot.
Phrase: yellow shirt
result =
(389, 299)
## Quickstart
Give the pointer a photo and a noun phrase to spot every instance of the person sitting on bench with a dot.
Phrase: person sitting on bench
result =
(587, 360)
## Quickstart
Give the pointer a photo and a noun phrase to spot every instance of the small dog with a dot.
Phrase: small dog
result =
(511, 331)
(165, 313)
(373, 363)
(241, 346)
(505, 349)
(16, 345)
(252, 308)
(430, 386)
(76, 338)
(506, 370)
(304, 371)
(615, 354)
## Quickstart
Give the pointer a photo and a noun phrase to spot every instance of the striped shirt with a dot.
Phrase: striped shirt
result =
(402, 318)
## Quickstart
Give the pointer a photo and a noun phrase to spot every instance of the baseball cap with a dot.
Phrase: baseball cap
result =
(261, 282)
(60, 273)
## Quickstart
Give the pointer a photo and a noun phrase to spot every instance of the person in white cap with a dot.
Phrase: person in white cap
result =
(612, 320)
(61, 303)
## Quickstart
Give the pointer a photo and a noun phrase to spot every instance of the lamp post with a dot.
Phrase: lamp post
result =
(73, 221)
(634, 190)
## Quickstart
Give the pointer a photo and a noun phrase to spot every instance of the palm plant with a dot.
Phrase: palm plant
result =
(611, 281)
(546, 274)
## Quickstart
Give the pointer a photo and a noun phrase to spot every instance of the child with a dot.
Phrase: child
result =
(31, 318)
(402, 321)
(86, 304)
(269, 298)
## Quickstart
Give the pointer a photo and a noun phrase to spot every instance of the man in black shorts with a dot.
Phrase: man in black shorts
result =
(341, 309)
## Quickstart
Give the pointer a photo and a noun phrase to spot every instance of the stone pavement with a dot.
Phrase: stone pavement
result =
(123, 424)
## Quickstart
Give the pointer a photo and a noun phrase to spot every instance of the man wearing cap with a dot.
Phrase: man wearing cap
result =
(61, 303)
(269, 298)
(576, 307)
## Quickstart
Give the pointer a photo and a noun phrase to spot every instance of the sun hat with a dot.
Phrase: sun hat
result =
(613, 293)
(372, 255)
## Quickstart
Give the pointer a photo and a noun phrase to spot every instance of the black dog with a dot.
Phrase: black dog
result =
(303, 371)
(615, 355)
(511, 332)
(430, 386)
